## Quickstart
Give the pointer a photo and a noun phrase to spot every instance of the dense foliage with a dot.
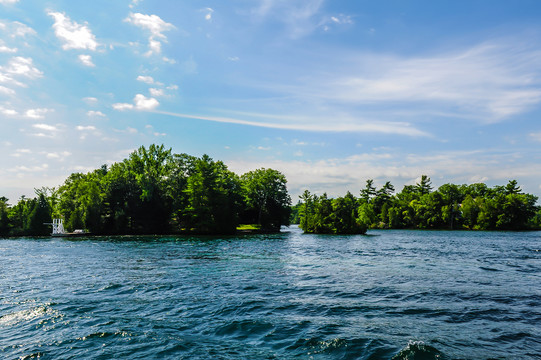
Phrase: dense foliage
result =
(474, 206)
(154, 191)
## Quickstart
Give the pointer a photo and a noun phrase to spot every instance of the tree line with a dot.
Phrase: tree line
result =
(154, 191)
(474, 207)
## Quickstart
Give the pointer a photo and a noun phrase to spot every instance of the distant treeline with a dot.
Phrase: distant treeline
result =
(154, 191)
(475, 207)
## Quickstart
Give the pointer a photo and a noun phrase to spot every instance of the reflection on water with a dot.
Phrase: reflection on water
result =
(393, 294)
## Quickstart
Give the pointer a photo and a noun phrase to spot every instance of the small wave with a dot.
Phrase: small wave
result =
(488, 268)
(32, 356)
(26, 315)
(105, 334)
(357, 348)
(417, 350)
(244, 329)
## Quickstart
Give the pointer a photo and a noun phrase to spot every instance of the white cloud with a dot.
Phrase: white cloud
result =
(143, 103)
(335, 20)
(5, 49)
(156, 92)
(122, 106)
(86, 128)
(45, 127)
(19, 29)
(155, 47)
(140, 103)
(86, 60)
(58, 155)
(146, 79)
(20, 152)
(37, 113)
(128, 130)
(93, 113)
(5, 78)
(21, 66)
(8, 1)
(90, 100)
(172, 87)
(208, 13)
(134, 3)
(7, 112)
(168, 60)
(153, 24)
(22, 168)
(74, 35)
(6, 91)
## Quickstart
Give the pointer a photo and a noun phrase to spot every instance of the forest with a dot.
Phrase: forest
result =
(473, 207)
(154, 191)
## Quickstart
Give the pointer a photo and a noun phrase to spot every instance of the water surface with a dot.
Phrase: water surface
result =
(465, 295)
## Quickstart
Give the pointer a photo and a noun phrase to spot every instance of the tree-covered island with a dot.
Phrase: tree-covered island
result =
(154, 191)
(474, 207)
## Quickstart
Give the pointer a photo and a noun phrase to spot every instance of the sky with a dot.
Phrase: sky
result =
(330, 93)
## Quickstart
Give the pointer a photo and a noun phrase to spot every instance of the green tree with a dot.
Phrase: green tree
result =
(151, 169)
(294, 217)
(366, 216)
(213, 194)
(80, 201)
(182, 167)
(4, 219)
(512, 188)
(425, 186)
(307, 211)
(450, 209)
(517, 210)
(470, 211)
(266, 197)
(323, 215)
(39, 216)
(369, 191)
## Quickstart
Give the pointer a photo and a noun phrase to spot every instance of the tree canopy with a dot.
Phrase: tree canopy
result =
(154, 191)
(475, 207)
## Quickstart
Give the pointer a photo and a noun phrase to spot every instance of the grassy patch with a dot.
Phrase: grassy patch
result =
(248, 227)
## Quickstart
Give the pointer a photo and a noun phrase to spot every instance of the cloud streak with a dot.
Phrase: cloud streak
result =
(400, 128)
(298, 16)
(489, 82)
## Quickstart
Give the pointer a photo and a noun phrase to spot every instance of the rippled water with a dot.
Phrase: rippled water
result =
(464, 295)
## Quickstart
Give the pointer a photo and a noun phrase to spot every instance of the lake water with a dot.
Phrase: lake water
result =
(464, 295)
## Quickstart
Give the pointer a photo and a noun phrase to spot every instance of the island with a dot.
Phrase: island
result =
(155, 191)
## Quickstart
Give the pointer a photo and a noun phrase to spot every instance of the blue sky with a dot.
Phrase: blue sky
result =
(331, 93)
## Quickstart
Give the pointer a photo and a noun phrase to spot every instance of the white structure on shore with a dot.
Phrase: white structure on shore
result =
(58, 227)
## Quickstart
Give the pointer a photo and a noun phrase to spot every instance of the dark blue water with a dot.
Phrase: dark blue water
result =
(445, 295)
